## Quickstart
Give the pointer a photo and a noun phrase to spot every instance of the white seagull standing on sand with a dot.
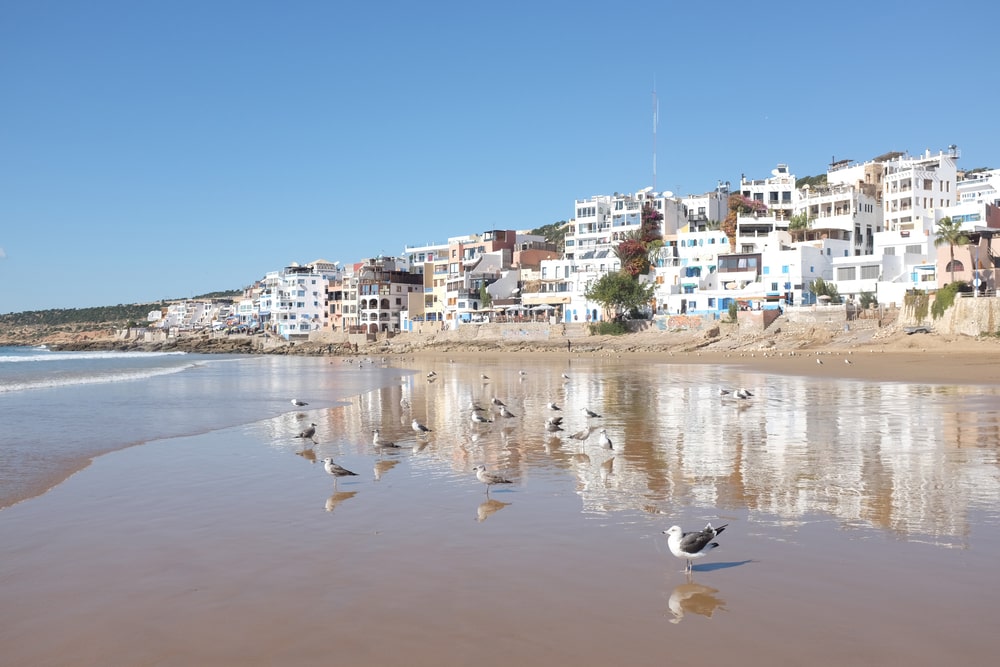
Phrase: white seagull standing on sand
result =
(690, 546)
(379, 442)
(479, 418)
(335, 470)
(489, 478)
(418, 427)
(605, 440)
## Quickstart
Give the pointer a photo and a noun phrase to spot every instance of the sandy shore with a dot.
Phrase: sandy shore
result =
(232, 548)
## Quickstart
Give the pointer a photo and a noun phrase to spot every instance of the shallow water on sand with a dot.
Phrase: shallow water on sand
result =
(862, 525)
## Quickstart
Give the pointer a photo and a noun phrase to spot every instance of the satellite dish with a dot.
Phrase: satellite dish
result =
(775, 172)
(668, 194)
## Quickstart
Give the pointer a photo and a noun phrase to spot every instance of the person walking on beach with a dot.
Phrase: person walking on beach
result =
(569, 346)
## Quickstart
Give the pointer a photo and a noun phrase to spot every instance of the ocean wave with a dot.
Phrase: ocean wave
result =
(102, 378)
(77, 356)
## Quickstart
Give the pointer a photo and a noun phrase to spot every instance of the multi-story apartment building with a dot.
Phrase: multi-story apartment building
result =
(292, 302)
(778, 192)
(848, 212)
(603, 221)
(431, 262)
(705, 209)
(384, 293)
(913, 188)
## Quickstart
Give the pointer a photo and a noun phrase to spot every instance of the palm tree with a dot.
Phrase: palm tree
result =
(950, 231)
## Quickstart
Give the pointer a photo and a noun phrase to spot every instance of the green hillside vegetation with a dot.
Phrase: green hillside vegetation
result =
(120, 314)
(553, 233)
(811, 181)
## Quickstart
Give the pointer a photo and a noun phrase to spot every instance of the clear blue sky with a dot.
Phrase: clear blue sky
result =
(162, 149)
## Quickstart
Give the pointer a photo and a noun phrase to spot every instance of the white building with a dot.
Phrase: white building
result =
(913, 188)
(777, 192)
(292, 301)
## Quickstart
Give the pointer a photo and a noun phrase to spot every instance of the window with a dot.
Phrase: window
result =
(914, 249)
(784, 268)
(774, 287)
(767, 270)
(869, 272)
(845, 272)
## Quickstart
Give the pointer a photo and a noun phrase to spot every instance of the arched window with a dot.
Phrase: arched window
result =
(954, 265)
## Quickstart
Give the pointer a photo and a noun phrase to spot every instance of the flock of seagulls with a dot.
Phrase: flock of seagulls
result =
(688, 546)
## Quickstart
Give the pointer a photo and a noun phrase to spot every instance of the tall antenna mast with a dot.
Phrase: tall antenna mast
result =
(656, 121)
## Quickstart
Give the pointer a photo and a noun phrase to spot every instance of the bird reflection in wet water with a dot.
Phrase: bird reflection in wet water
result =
(337, 498)
(488, 508)
(383, 466)
(693, 598)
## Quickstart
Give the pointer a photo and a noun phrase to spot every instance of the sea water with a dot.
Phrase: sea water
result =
(58, 410)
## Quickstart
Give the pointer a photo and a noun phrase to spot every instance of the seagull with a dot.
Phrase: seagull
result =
(565, 377)
(479, 418)
(590, 413)
(847, 361)
(553, 406)
(582, 434)
(379, 442)
(743, 393)
(724, 392)
(309, 432)
(485, 377)
(298, 403)
(690, 546)
(432, 374)
(335, 469)
(496, 401)
(504, 412)
(489, 478)
(605, 440)
(418, 427)
(552, 426)
(819, 361)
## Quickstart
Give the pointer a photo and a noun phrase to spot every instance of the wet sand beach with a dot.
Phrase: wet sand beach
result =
(862, 524)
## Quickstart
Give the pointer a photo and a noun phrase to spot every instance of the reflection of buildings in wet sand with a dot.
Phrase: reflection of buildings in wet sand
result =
(692, 598)
(896, 456)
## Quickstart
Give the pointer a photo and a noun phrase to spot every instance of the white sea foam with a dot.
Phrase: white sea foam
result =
(100, 378)
(77, 356)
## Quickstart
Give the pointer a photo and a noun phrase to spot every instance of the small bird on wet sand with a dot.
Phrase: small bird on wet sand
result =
(336, 470)
(309, 433)
(489, 478)
(690, 546)
(419, 428)
(504, 412)
(379, 442)
(591, 413)
(496, 401)
(296, 402)
(553, 406)
(478, 417)
(582, 434)
(605, 440)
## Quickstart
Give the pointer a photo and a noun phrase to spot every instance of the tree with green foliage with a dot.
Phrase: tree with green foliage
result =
(798, 225)
(950, 231)
(618, 292)
(820, 287)
(485, 300)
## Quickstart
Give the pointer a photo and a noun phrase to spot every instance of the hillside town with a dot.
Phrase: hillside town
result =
(873, 230)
